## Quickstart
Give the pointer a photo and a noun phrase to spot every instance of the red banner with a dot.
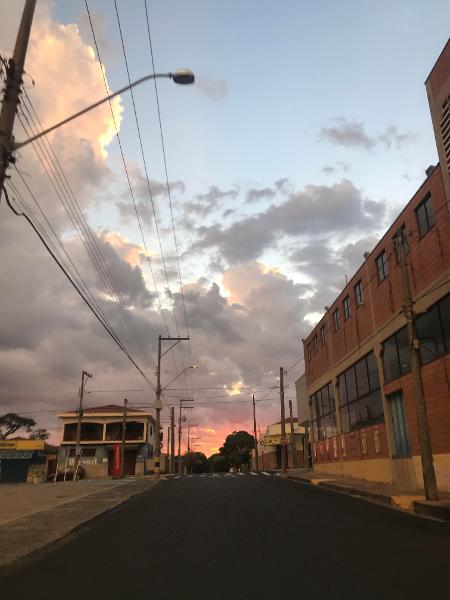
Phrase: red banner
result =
(117, 457)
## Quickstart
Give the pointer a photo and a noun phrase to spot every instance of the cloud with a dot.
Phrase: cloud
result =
(352, 134)
(254, 194)
(215, 89)
(204, 204)
(316, 210)
(338, 166)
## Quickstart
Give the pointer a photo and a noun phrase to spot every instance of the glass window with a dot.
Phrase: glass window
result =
(309, 351)
(350, 383)
(316, 345)
(396, 355)
(382, 266)
(425, 215)
(362, 378)
(345, 419)
(372, 369)
(322, 335)
(336, 320)
(430, 335)
(346, 307)
(444, 309)
(359, 293)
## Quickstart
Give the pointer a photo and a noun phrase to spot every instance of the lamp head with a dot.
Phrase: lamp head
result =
(183, 76)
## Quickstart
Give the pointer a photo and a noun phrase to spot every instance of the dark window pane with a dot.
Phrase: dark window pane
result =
(355, 417)
(422, 219)
(345, 419)
(362, 378)
(403, 350)
(342, 390)
(372, 367)
(325, 400)
(350, 380)
(444, 309)
(390, 359)
(430, 335)
(331, 395)
(430, 213)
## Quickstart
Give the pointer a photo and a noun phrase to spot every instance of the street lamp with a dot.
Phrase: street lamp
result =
(180, 76)
(179, 375)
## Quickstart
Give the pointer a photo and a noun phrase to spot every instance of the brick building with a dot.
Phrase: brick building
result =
(359, 382)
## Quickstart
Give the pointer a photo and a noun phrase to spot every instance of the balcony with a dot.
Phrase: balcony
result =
(134, 432)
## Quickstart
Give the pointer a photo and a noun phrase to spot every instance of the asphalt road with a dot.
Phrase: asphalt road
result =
(243, 537)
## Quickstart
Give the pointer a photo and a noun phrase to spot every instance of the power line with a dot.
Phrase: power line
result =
(77, 288)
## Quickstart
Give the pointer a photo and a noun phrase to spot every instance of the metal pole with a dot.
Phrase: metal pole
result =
(426, 453)
(84, 377)
(294, 456)
(255, 436)
(179, 441)
(157, 452)
(172, 439)
(283, 423)
(124, 433)
(14, 72)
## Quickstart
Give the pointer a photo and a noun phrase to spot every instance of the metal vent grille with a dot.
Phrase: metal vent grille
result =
(445, 130)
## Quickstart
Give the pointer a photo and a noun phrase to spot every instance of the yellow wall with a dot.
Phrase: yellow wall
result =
(372, 470)
(22, 445)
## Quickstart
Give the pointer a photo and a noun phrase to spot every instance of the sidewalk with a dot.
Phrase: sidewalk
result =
(34, 516)
(379, 492)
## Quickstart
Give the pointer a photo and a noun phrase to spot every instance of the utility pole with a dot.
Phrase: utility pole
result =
(426, 454)
(168, 441)
(84, 377)
(14, 73)
(255, 436)
(283, 423)
(179, 441)
(294, 455)
(158, 407)
(172, 439)
(124, 432)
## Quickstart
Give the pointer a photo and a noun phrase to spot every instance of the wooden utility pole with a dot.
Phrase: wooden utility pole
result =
(255, 436)
(283, 423)
(426, 454)
(172, 439)
(13, 84)
(84, 377)
(179, 441)
(158, 406)
(294, 454)
(124, 433)
(168, 442)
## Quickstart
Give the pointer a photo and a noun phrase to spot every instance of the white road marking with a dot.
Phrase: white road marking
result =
(177, 477)
(255, 474)
(239, 473)
(265, 473)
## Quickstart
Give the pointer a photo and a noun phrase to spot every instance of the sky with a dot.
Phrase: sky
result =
(307, 130)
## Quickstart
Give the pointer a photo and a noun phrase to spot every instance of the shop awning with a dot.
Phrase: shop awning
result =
(16, 454)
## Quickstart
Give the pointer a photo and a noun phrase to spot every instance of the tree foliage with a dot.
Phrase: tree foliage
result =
(196, 462)
(218, 463)
(237, 448)
(11, 422)
(39, 434)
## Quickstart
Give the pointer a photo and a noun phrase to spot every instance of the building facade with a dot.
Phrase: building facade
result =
(101, 432)
(270, 446)
(358, 371)
(25, 461)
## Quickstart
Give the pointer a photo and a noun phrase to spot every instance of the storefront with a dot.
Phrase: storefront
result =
(22, 461)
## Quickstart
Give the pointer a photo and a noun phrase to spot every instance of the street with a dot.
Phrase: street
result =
(243, 536)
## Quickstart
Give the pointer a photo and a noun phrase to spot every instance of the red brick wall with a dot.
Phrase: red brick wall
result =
(440, 71)
(364, 444)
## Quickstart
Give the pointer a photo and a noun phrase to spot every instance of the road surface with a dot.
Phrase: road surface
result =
(243, 537)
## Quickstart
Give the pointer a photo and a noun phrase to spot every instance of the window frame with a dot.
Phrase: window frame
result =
(383, 257)
(346, 307)
(336, 320)
(425, 204)
(323, 340)
(359, 293)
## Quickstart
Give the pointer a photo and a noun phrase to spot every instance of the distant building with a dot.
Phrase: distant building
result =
(101, 431)
(270, 445)
(358, 372)
(23, 460)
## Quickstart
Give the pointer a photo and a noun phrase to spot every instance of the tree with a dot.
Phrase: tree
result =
(196, 462)
(237, 448)
(218, 463)
(39, 434)
(10, 423)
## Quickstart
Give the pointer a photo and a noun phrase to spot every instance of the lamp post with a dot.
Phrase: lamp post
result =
(180, 76)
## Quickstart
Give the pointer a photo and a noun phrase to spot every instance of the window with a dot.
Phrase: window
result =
(309, 351)
(399, 425)
(433, 331)
(336, 320)
(346, 307)
(323, 413)
(396, 355)
(316, 344)
(382, 266)
(400, 238)
(425, 215)
(359, 293)
(360, 395)
(322, 336)
(84, 452)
